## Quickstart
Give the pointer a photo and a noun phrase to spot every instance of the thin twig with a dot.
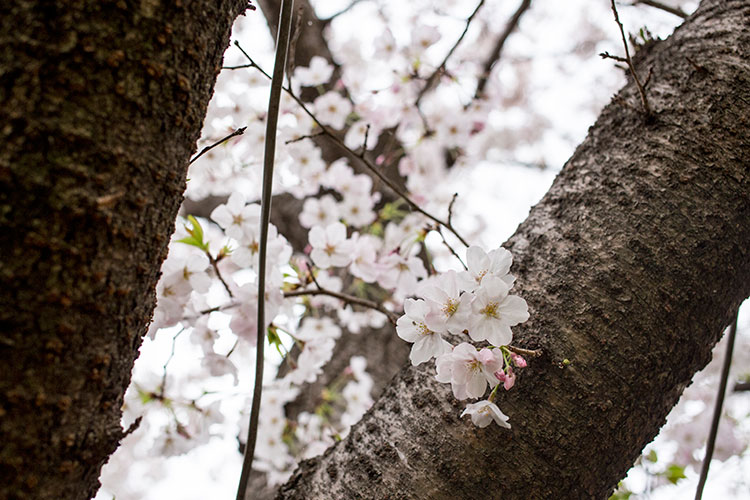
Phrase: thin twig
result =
(717, 409)
(495, 55)
(239, 66)
(163, 384)
(282, 47)
(533, 353)
(432, 79)
(607, 55)
(629, 61)
(450, 208)
(303, 137)
(342, 11)
(364, 143)
(666, 8)
(234, 346)
(350, 299)
(215, 265)
(311, 273)
(450, 248)
(237, 132)
(364, 160)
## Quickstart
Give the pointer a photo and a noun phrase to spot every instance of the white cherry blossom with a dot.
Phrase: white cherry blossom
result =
(364, 257)
(330, 247)
(317, 73)
(469, 371)
(321, 211)
(484, 412)
(495, 263)
(332, 109)
(494, 312)
(235, 217)
(317, 328)
(448, 305)
(417, 327)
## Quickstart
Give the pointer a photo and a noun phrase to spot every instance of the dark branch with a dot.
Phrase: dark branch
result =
(629, 61)
(495, 55)
(433, 78)
(237, 132)
(662, 6)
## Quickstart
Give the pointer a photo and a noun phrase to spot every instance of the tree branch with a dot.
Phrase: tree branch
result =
(662, 6)
(495, 54)
(433, 78)
(629, 61)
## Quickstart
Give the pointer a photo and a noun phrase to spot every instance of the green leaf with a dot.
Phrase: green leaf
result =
(652, 456)
(196, 234)
(674, 473)
(622, 493)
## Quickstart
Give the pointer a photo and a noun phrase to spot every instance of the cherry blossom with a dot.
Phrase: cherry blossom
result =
(447, 303)
(484, 412)
(235, 217)
(495, 263)
(364, 257)
(317, 73)
(417, 326)
(321, 211)
(469, 371)
(330, 246)
(332, 109)
(494, 312)
(317, 328)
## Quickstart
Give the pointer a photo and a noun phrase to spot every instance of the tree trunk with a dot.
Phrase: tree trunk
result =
(632, 265)
(101, 103)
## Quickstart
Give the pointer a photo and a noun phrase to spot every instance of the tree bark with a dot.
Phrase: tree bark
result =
(632, 265)
(101, 103)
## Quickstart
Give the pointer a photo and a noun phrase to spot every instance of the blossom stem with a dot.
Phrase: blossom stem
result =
(215, 264)
(282, 47)
(534, 353)
(205, 150)
(350, 299)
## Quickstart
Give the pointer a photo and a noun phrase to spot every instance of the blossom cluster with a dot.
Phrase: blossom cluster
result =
(474, 303)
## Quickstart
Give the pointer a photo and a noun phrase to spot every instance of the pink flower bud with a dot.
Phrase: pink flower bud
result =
(510, 379)
(518, 360)
(500, 375)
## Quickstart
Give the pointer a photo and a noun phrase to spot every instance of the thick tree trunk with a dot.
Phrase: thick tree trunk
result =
(632, 266)
(101, 103)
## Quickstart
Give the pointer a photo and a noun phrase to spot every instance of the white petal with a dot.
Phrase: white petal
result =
(317, 237)
(513, 310)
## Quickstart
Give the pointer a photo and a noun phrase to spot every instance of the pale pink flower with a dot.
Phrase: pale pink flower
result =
(468, 370)
(480, 263)
(494, 312)
(317, 73)
(414, 326)
(332, 109)
(484, 412)
(447, 303)
(319, 211)
(364, 256)
(330, 247)
(235, 217)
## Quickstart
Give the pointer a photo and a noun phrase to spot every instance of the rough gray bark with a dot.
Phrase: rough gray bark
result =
(632, 266)
(101, 103)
